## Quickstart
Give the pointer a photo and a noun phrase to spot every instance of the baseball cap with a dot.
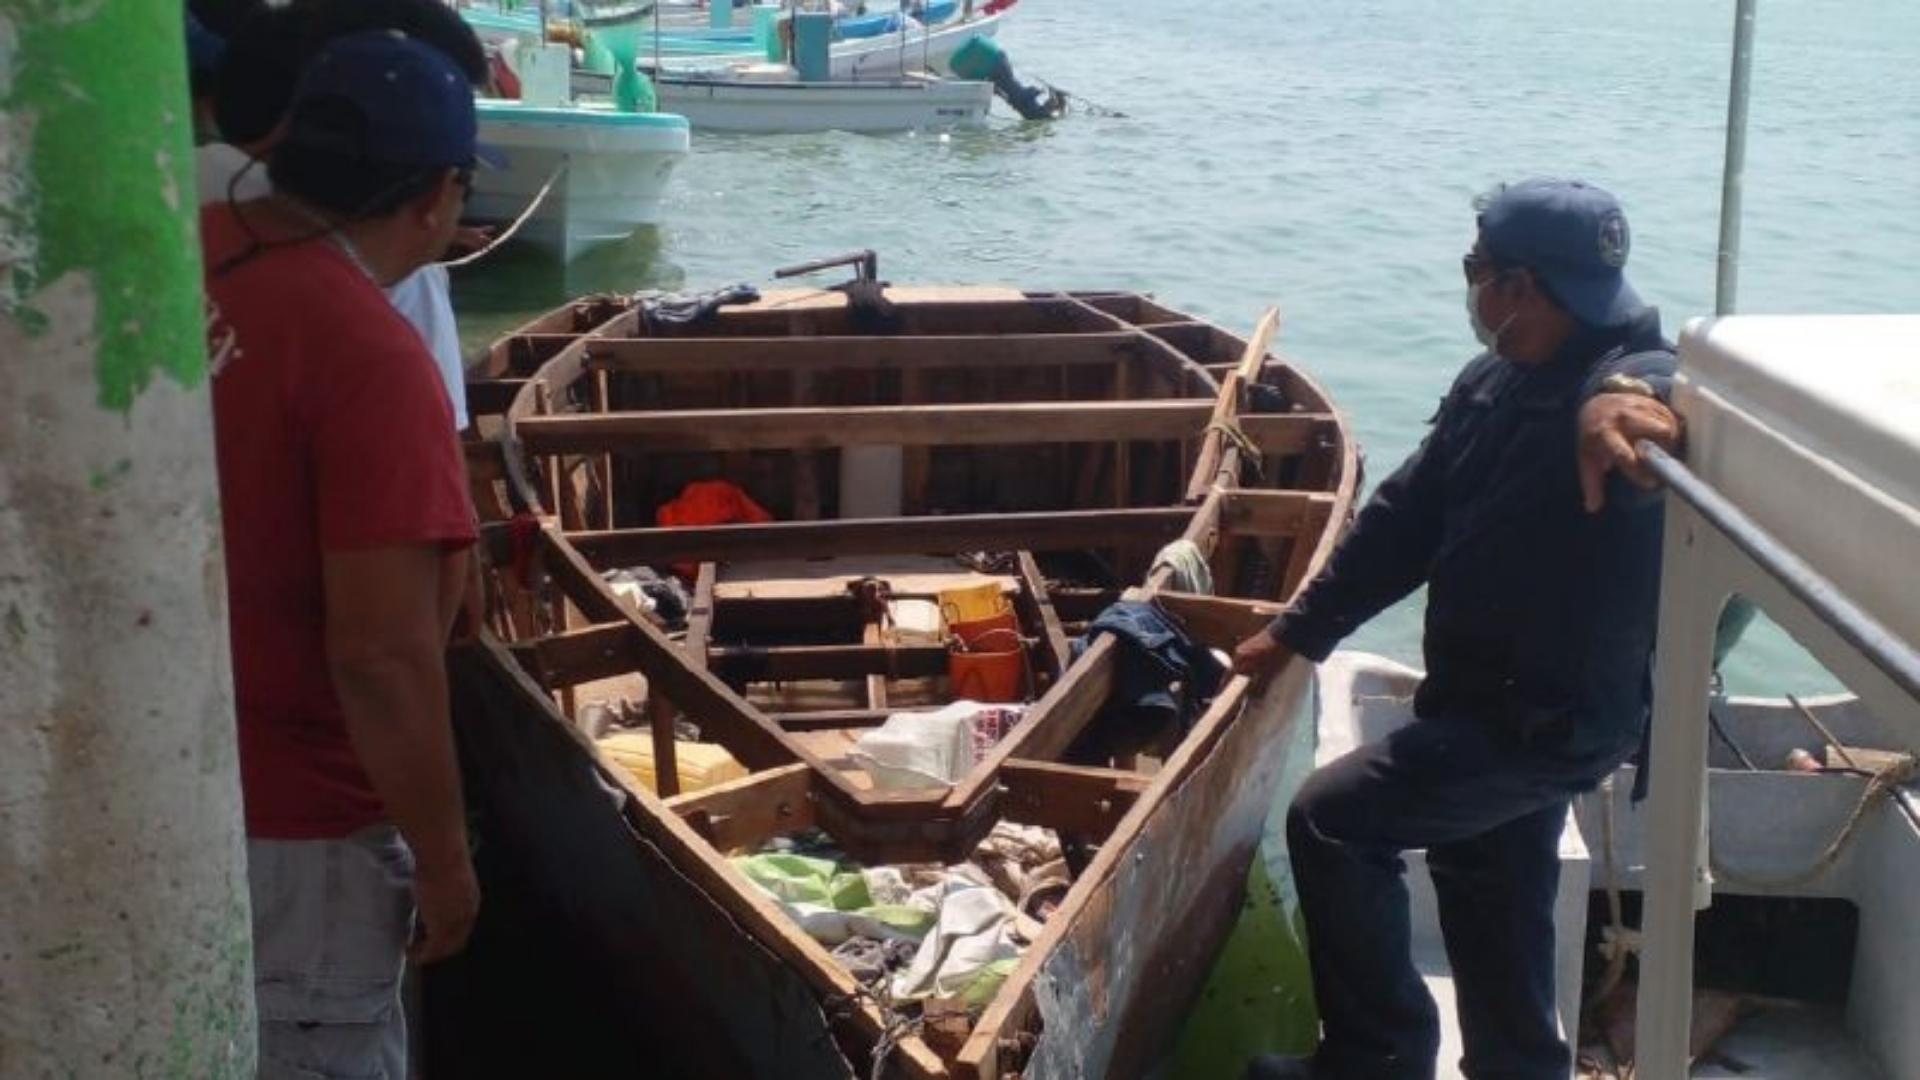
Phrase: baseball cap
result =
(205, 49)
(1570, 233)
(385, 97)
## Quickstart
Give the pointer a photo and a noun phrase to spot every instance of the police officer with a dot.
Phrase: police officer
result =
(1526, 514)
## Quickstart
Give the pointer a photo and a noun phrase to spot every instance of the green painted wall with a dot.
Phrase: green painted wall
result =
(98, 180)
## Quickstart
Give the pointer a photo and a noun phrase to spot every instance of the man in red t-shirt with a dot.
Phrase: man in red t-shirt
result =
(347, 523)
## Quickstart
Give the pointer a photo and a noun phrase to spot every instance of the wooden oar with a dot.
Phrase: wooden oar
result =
(1214, 467)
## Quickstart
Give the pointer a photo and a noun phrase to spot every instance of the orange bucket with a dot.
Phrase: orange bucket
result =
(970, 633)
(980, 673)
(973, 603)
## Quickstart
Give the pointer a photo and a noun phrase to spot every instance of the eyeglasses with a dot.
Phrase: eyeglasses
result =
(464, 178)
(1476, 266)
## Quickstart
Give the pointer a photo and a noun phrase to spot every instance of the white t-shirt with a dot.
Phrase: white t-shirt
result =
(422, 296)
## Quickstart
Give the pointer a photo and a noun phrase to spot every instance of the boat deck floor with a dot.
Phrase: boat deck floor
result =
(1776, 1042)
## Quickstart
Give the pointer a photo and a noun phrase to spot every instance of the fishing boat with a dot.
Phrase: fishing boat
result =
(1046, 450)
(590, 173)
(773, 98)
(868, 47)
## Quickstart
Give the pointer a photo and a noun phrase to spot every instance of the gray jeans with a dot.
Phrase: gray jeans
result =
(331, 922)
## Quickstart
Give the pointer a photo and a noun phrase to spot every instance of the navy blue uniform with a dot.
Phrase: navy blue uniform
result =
(1539, 636)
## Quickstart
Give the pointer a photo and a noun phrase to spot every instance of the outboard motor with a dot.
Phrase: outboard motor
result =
(983, 59)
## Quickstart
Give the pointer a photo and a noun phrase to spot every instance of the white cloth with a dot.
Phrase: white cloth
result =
(919, 749)
(973, 933)
(423, 296)
(215, 166)
(1190, 570)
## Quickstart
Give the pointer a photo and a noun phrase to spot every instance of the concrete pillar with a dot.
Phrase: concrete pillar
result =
(124, 940)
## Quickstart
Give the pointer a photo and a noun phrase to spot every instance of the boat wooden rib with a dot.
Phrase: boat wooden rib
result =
(1052, 442)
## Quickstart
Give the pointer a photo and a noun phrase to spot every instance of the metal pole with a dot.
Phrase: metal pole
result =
(127, 934)
(1739, 612)
(1733, 172)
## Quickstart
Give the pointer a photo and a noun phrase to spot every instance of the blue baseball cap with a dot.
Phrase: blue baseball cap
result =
(407, 104)
(205, 49)
(1570, 233)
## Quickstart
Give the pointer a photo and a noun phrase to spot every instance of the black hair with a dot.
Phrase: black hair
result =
(265, 56)
(322, 162)
(255, 81)
(430, 22)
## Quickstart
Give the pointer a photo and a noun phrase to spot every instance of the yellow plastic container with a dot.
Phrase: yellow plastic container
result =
(700, 765)
(974, 603)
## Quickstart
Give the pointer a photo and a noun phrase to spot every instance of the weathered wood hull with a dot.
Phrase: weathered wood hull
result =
(1101, 422)
(1113, 994)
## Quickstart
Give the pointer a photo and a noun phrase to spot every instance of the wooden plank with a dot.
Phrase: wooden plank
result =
(933, 535)
(1034, 587)
(572, 657)
(1291, 433)
(1276, 513)
(1307, 550)
(659, 356)
(807, 465)
(1218, 622)
(786, 663)
(1122, 450)
(815, 428)
(603, 464)
(666, 756)
(932, 317)
(831, 719)
(700, 614)
(1077, 800)
(751, 810)
(874, 636)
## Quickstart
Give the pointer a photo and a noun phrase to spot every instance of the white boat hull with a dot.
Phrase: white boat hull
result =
(616, 171)
(872, 107)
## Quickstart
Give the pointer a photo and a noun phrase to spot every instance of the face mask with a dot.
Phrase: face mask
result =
(1487, 336)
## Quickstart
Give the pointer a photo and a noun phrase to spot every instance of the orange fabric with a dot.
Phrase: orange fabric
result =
(709, 502)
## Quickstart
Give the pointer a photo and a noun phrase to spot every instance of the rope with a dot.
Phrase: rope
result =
(507, 233)
(896, 1025)
(1079, 103)
(1249, 450)
(1621, 942)
(1880, 786)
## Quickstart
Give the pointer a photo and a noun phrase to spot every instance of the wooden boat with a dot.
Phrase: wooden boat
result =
(1071, 434)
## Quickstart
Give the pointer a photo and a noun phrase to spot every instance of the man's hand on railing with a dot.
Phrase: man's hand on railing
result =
(1610, 424)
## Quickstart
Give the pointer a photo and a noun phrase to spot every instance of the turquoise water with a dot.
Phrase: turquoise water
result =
(1323, 156)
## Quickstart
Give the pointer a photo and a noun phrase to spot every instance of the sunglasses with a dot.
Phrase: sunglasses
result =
(1476, 266)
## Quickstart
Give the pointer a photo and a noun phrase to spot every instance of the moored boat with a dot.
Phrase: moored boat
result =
(771, 98)
(1036, 449)
(603, 171)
